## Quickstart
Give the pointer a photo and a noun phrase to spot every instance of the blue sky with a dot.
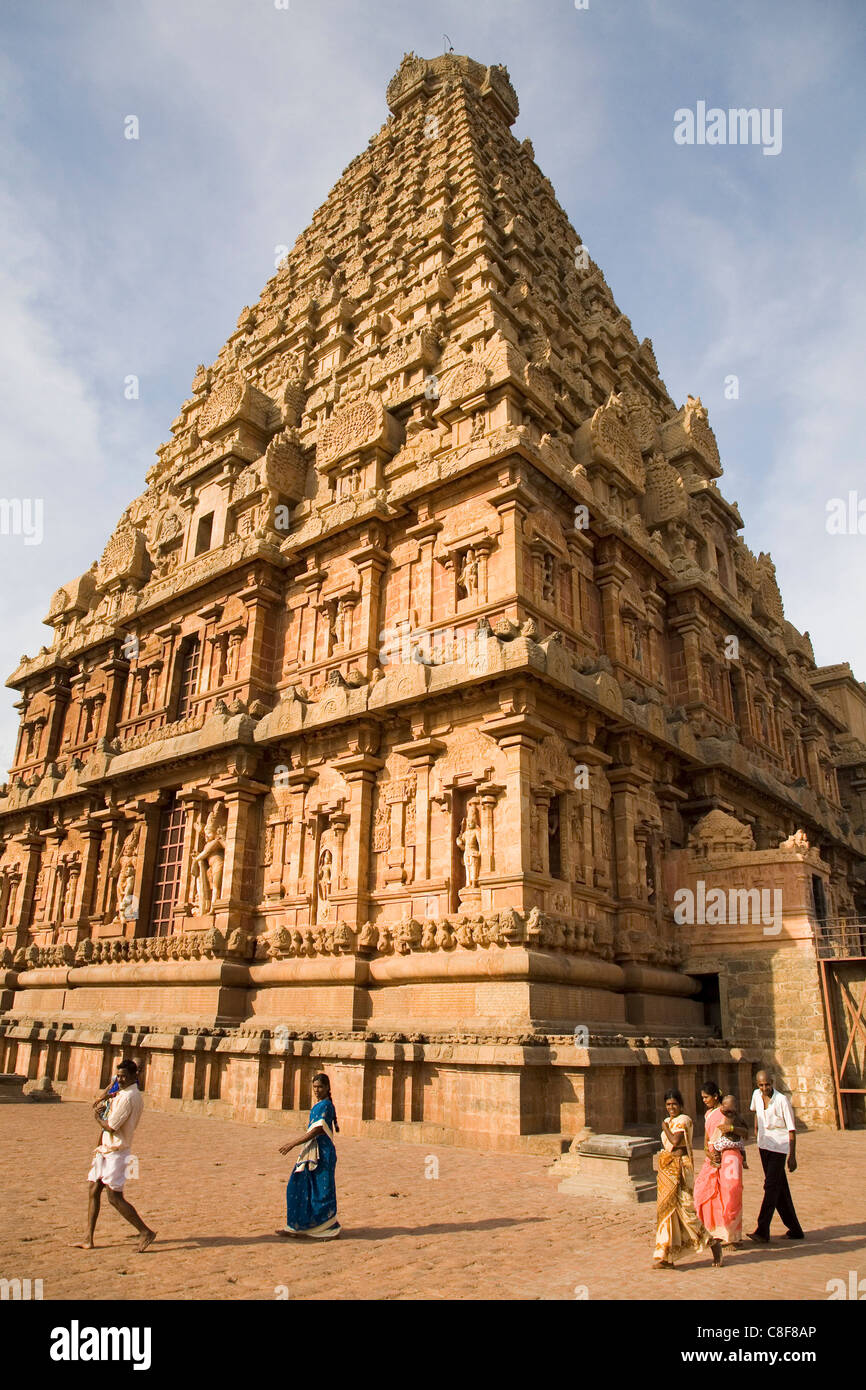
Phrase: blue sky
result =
(128, 257)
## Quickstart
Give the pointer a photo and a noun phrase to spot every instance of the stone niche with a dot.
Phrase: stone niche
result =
(688, 437)
(604, 444)
(360, 434)
(237, 414)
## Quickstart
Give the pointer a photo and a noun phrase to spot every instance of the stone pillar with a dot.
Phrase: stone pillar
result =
(610, 579)
(149, 808)
(810, 737)
(339, 824)
(241, 795)
(541, 798)
(518, 736)
(298, 780)
(655, 605)
(575, 552)
(689, 629)
(212, 645)
(422, 766)
(425, 533)
(114, 828)
(359, 770)
(19, 916)
(90, 830)
(194, 802)
(421, 754)
(115, 671)
(489, 794)
(396, 856)
(371, 561)
(513, 501)
(260, 604)
(74, 720)
(5, 894)
(53, 838)
(625, 785)
(60, 695)
(311, 580)
(566, 849)
(296, 609)
(277, 831)
(20, 706)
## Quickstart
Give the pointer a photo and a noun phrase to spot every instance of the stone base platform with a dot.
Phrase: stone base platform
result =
(41, 1090)
(615, 1167)
(511, 1094)
(11, 1087)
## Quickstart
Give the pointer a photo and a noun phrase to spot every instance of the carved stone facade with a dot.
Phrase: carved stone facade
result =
(427, 668)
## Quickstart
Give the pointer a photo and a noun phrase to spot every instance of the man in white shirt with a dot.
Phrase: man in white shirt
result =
(777, 1145)
(113, 1159)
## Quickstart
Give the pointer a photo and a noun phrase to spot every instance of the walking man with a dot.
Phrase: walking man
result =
(777, 1145)
(113, 1159)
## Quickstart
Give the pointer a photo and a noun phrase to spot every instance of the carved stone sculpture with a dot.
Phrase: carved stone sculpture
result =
(209, 863)
(469, 842)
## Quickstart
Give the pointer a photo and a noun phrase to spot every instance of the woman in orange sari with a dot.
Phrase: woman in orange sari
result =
(719, 1184)
(678, 1227)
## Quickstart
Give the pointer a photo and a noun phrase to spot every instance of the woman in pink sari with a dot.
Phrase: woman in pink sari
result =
(719, 1184)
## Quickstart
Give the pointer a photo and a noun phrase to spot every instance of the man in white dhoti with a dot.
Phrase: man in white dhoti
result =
(113, 1160)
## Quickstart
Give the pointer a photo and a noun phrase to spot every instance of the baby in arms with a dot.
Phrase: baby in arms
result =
(731, 1134)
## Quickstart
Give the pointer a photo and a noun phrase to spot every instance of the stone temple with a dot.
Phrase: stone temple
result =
(425, 681)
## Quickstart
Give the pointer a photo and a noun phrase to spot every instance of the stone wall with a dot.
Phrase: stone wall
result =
(769, 986)
(772, 999)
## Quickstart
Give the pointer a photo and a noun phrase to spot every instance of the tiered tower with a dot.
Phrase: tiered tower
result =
(427, 669)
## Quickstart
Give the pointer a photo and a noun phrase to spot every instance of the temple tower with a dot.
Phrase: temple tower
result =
(406, 698)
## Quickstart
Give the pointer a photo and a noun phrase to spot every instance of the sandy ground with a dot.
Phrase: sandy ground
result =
(488, 1226)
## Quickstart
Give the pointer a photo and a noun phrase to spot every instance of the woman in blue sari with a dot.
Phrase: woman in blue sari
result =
(311, 1195)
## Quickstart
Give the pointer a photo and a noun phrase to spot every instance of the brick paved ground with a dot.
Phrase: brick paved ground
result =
(491, 1226)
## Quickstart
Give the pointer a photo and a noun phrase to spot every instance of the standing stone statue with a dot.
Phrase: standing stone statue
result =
(324, 877)
(468, 579)
(799, 841)
(126, 909)
(123, 870)
(469, 841)
(209, 864)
